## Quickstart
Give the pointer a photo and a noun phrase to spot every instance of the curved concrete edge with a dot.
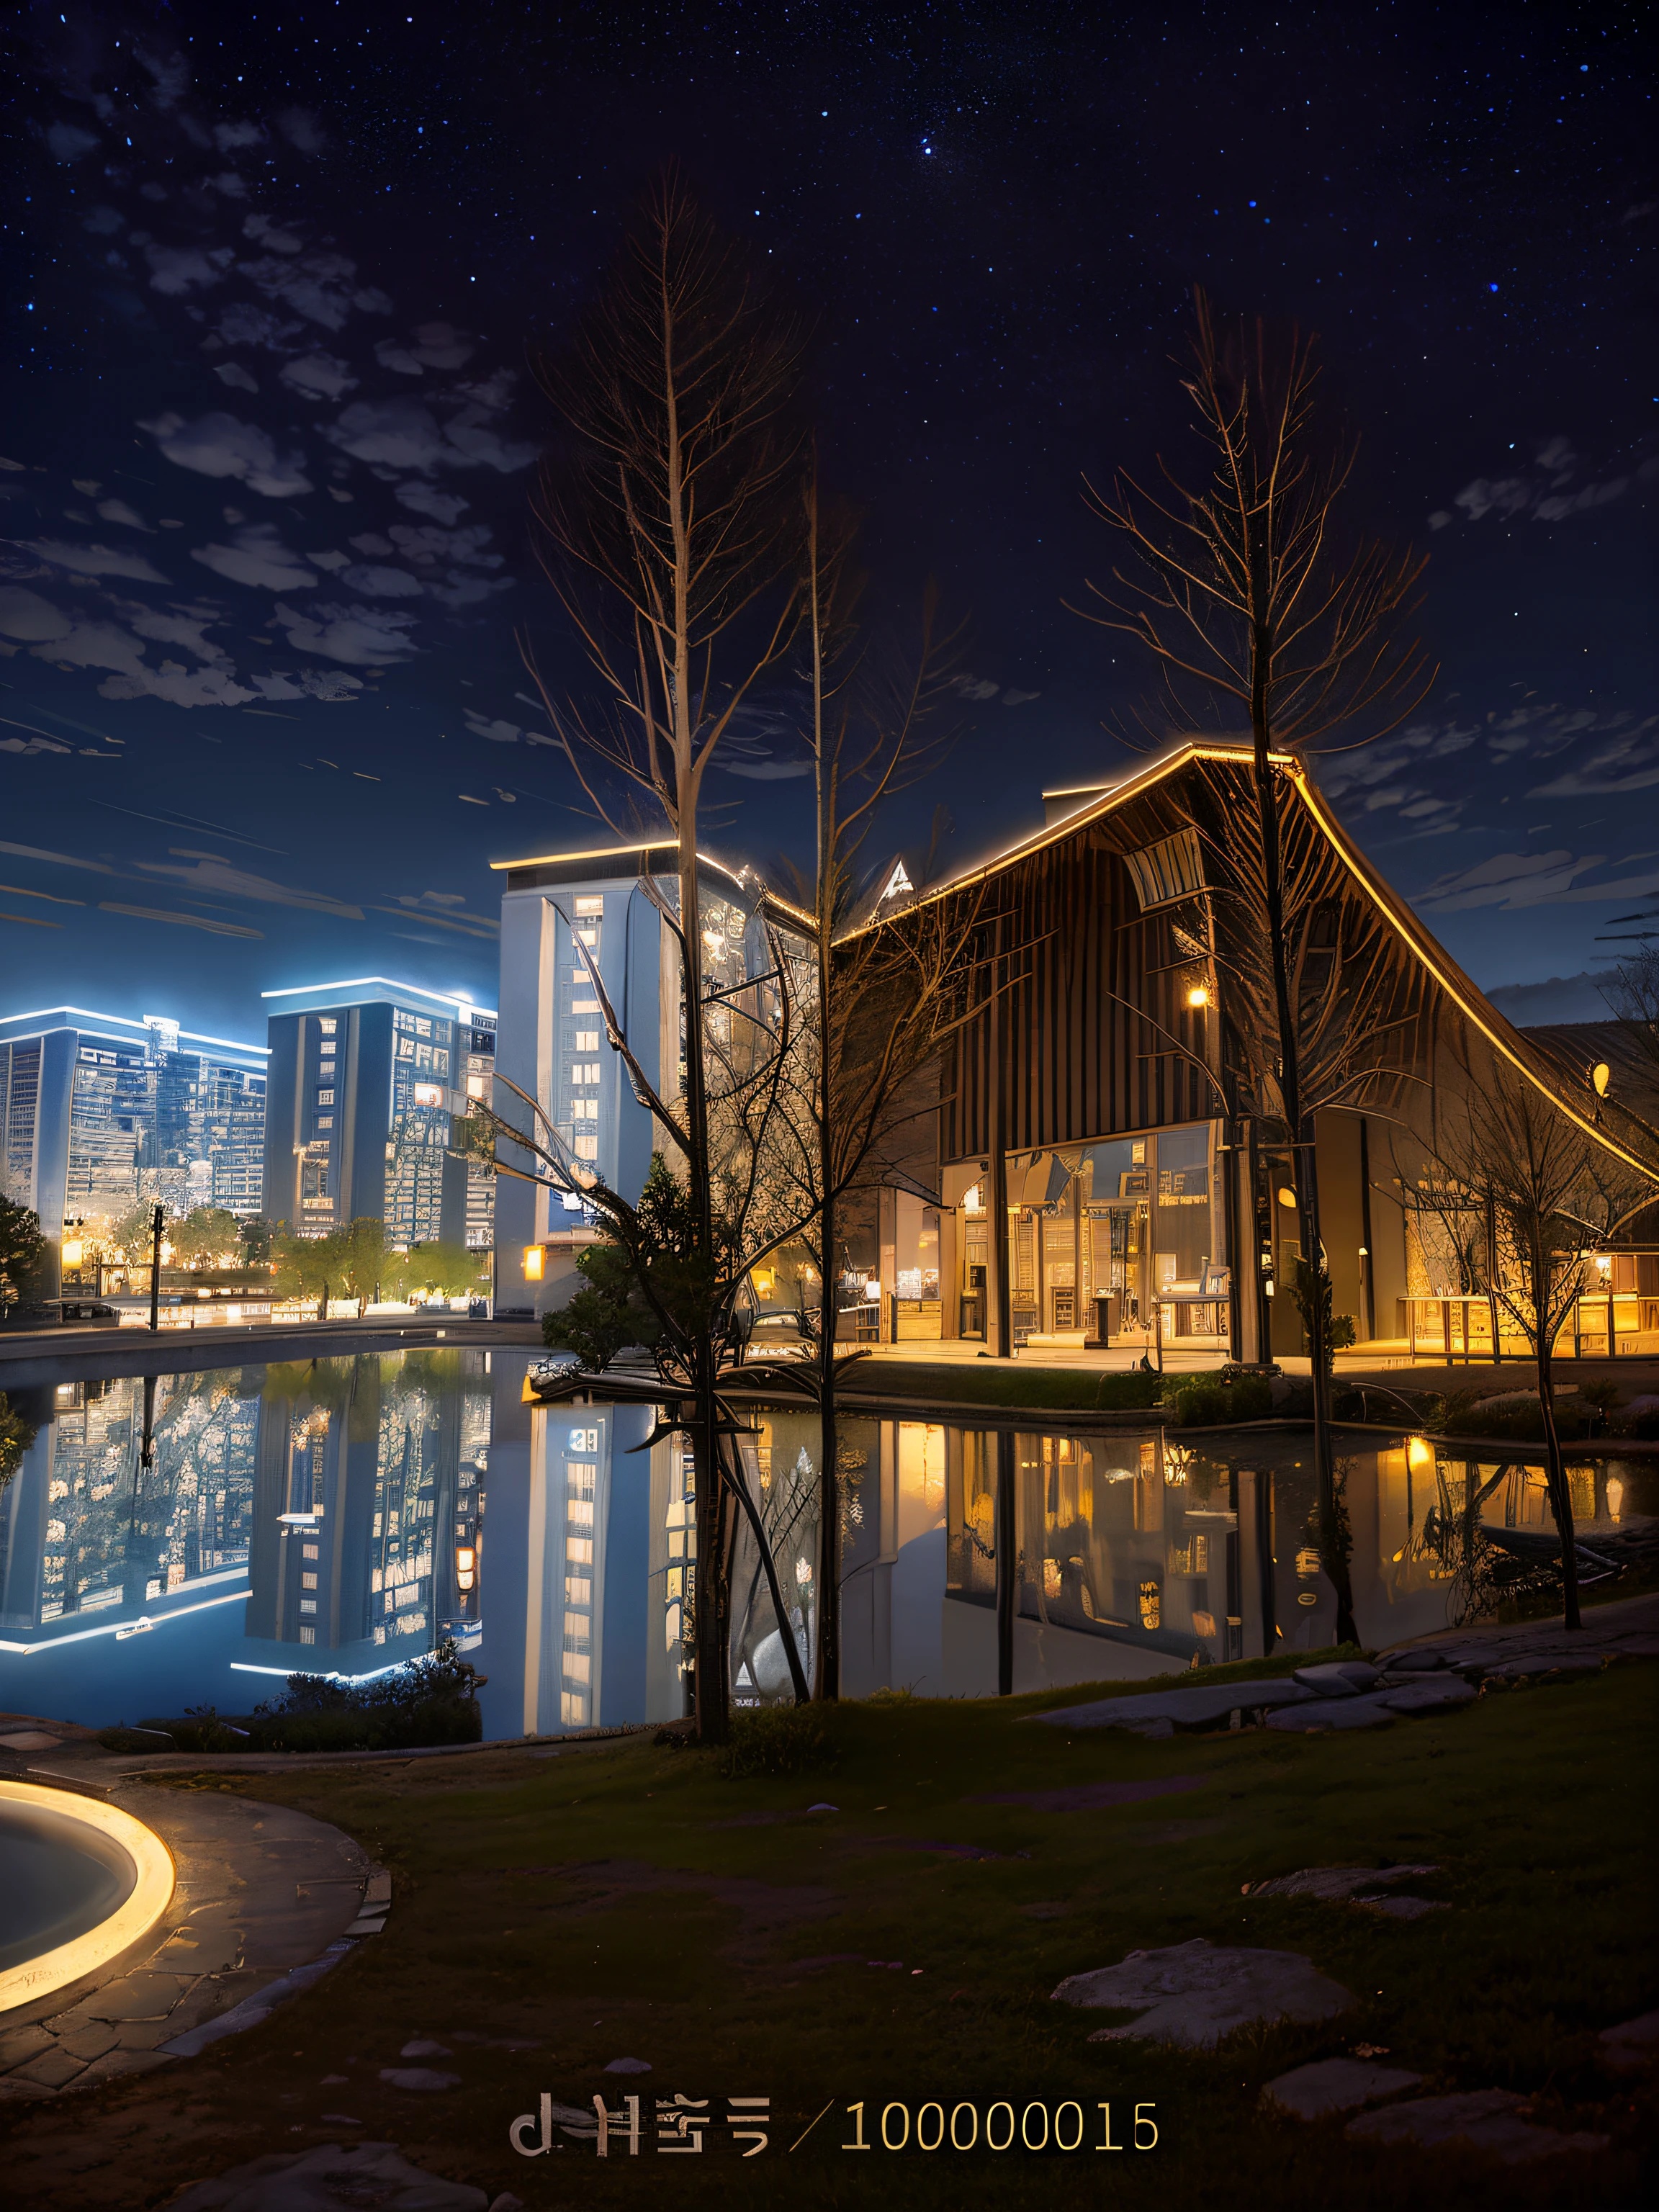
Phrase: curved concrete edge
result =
(155, 1878)
(267, 1900)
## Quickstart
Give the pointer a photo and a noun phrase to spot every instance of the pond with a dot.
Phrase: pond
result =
(194, 1539)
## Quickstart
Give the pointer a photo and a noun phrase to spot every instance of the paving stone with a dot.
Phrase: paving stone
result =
(628, 2066)
(355, 2174)
(1336, 2085)
(1341, 1678)
(89, 2043)
(1423, 1661)
(1546, 1663)
(1402, 1908)
(423, 2047)
(1429, 1697)
(418, 2078)
(1180, 1708)
(51, 2069)
(141, 1996)
(378, 1888)
(1489, 2119)
(1196, 1993)
(1334, 1884)
(18, 2044)
(1331, 1713)
(1632, 2045)
(116, 2062)
(31, 1740)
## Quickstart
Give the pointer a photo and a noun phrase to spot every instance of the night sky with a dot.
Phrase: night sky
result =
(275, 279)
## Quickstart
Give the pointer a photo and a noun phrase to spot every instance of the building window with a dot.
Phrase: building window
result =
(1170, 870)
(586, 1147)
(584, 1110)
(308, 1605)
(326, 1025)
(308, 1582)
(325, 1121)
(584, 1071)
(587, 1041)
(324, 1097)
(308, 1636)
(590, 902)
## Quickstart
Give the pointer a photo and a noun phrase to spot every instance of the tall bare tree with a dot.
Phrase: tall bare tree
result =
(667, 547)
(1236, 587)
(1522, 1195)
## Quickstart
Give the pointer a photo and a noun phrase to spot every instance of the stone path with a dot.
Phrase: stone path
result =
(353, 2176)
(1196, 1993)
(267, 1900)
(1430, 1673)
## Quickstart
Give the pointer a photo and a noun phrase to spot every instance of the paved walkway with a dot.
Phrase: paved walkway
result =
(264, 1894)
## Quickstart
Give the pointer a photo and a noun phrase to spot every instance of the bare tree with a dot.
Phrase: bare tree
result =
(1237, 588)
(667, 547)
(1522, 1195)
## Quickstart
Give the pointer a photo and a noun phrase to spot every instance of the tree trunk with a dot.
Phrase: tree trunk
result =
(1560, 1493)
(829, 1653)
(1300, 1130)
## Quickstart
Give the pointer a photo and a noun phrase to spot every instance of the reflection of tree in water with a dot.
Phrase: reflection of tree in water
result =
(1482, 1574)
(789, 1510)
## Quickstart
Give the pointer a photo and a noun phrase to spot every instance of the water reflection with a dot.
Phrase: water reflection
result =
(342, 1514)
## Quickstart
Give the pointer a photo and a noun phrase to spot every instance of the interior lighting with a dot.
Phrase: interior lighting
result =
(1420, 1455)
(1601, 1076)
(74, 1251)
(466, 1566)
(1198, 996)
(534, 1260)
(872, 1289)
(1287, 1195)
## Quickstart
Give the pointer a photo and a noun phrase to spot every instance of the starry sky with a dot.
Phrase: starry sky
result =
(276, 279)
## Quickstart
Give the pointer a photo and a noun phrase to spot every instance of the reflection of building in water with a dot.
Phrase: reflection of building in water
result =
(582, 1606)
(368, 1467)
(98, 1112)
(89, 1536)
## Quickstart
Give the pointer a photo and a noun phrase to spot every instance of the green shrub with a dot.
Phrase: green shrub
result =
(199, 1729)
(1217, 1401)
(779, 1740)
(122, 1738)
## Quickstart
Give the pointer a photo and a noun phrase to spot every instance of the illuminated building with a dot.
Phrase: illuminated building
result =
(366, 1077)
(100, 1112)
(559, 912)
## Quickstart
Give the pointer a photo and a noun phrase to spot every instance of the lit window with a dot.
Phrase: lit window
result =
(327, 1023)
(308, 1551)
(578, 1550)
(584, 1005)
(308, 1582)
(325, 1121)
(589, 937)
(309, 1636)
(428, 1094)
(324, 1097)
(584, 1071)
(475, 1086)
(584, 1110)
(586, 1147)
(308, 1605)
(587, 1041)
(590, 903)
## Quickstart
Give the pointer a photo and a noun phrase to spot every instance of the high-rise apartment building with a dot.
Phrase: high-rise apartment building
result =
(560, 912)
(366, 1077)
(100, 1112)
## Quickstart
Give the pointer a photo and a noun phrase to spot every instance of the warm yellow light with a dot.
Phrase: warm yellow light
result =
(1286, 1196)
(465, 1558)
(1601, 1076)
(143, 1906)
(1419, 1453)
(74, 1251)
(534, 1259)
(1198, 996)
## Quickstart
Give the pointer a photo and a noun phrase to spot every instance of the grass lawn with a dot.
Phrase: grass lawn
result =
(626, 1900)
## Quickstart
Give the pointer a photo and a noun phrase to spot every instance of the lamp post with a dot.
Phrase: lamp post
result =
(155, 1221)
